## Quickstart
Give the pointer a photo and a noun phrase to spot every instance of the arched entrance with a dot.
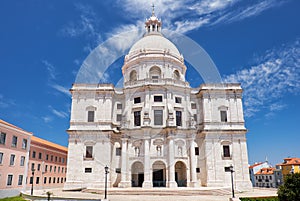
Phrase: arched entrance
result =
(137, 174)
(159, 174)
(180, 174)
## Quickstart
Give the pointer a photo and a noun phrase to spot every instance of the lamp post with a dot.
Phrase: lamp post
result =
(105, 190)
(32, 171)
(232, 188)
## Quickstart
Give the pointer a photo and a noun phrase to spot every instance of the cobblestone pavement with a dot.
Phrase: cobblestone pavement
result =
(205, 194)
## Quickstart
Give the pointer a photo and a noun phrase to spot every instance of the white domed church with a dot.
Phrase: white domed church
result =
(156, 131)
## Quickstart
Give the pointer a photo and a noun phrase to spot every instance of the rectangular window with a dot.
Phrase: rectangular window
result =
(22, 162)
(46, 168)
(9, 179)
(58, 169)
(91, 116)
(193, 106)
(51, 157)
(40, 155)
(178, 118)
(59, 159)
(63, 160)
(118, 151)
(1, 158)
(61, 180)
(177, 100)
(195, 117)
(54, 180)
(50, 168)
(62, 169)
(158, 98)
(88, 170)
(47, 157)
(2, 138)
(24, 144)
(20, 180)
(158, 117)
(45, 180)
(54, 168)
(33, 154)
(227, 169)
(223, 116)
(197, 151)
(49, 180)
(137, 118)
(37, 180)
(14, 141)
(119, 117)
(119, 106)
(137, 100)
(31, 180)
(89, 152)
(226, 151)
(12, 159)
(198, 170)
(32, 166)
(55, 158)
(118, 170)
(39, 167)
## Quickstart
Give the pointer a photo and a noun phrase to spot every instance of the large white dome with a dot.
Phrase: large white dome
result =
(154, 42)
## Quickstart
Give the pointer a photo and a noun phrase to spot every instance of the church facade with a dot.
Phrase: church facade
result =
(156, 131)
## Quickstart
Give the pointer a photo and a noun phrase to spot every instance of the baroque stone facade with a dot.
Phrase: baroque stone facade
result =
(157, 131)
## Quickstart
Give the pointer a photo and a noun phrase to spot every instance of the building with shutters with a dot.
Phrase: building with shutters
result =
(156, 131)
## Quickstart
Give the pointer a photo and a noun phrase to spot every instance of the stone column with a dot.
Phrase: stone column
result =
(147, 170)
(193, 162)
(171, 183)
(124, 170)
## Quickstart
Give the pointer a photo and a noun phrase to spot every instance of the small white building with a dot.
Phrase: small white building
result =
(266, 177)
(157, 131)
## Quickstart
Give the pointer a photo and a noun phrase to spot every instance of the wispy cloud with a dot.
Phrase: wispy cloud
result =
(50, 68)
(47, 119)
(5, 102)
(276, 75)
(86, 26)
(60, 114)
(61, 89)
(184, 16)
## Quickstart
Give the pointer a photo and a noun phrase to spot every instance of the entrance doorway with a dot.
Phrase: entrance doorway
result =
(137, 174)
(180, 174)
(159, 174)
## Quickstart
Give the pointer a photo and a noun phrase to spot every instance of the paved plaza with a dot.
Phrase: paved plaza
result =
(184, 194)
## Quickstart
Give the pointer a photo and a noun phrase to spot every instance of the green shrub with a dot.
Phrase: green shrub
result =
(290, 190)
(17, 198)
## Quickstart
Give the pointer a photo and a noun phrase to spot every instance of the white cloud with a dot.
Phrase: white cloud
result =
(184, 16)
(5, 102)
(265, 83)
(50, 69)
(60, 114)
(47, 119)
(61, 89)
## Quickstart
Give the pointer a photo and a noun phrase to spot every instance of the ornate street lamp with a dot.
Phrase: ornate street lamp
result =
(231, 171)
(32, 171)
(105, 190)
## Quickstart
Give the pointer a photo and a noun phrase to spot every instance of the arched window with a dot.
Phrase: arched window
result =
(133, 76)
(155, 72)
(176, 75)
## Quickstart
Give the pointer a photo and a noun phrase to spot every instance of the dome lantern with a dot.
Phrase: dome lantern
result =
(153, 24)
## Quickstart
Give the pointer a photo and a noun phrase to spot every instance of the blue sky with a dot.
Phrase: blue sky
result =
(256, 43)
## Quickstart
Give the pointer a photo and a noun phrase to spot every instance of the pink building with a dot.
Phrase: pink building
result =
(49, 162)
(14, 157)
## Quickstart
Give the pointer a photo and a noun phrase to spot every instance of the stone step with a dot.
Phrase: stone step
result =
(162, 191)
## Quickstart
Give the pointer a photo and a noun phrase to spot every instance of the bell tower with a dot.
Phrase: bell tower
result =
(153, 24)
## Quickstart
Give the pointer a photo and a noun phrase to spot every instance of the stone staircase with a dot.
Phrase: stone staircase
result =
(162, 191)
